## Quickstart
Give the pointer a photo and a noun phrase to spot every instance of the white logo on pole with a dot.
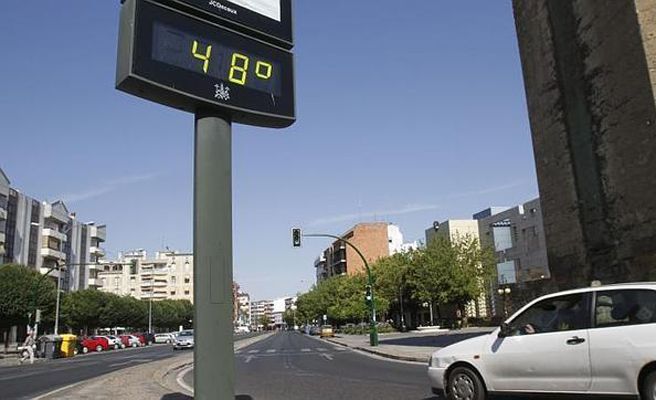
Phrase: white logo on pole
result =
(222, 92)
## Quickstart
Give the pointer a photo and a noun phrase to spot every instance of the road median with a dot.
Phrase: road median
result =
(155, 380)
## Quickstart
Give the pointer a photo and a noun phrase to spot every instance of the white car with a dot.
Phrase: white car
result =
(592, 341)
(184, 340)
(164, 338)
(114, 342)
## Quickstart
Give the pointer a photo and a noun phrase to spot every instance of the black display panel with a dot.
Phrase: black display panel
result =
(183, 61)
(271, 18)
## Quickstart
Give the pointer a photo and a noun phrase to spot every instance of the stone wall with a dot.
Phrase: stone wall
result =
(589, 75)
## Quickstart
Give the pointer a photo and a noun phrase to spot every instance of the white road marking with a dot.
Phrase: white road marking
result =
(253, 351)
(248, 359)
(322, 349)
(305, 350)
(326, 356)
(271, 351)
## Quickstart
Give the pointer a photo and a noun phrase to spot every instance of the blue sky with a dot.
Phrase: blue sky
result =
(408, 112)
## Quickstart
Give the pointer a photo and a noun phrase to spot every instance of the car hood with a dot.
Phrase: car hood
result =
(472, 346)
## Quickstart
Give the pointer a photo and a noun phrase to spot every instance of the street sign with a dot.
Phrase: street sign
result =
(180, 60)
(270, 20)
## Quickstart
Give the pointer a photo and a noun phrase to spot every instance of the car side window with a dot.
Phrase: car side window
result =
(625, 307)
(563, 313)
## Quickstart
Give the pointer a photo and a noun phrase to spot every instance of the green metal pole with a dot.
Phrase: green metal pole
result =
(373, 328)
(214, 367)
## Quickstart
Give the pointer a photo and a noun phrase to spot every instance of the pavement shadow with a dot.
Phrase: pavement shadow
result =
(432, 341)
(181, 396)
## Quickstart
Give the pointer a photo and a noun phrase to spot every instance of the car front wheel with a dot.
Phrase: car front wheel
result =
(464, 384)
(99, 348)
(648, 391)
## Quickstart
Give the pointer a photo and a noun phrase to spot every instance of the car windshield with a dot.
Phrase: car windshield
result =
(186, 334)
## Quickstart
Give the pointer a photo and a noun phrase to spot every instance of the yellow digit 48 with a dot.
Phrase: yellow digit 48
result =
(238, 69)
(204, 57)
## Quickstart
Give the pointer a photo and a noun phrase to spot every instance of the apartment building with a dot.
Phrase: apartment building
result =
(48, 237)
(259, 309)
(517, 236)
(168, 275)
(375, 240)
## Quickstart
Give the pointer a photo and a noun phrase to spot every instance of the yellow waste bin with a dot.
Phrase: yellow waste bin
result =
(68, 345)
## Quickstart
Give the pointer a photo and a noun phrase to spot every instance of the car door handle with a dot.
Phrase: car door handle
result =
(575, 340)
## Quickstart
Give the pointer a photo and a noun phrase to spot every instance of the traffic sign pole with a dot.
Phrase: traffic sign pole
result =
(214, 369)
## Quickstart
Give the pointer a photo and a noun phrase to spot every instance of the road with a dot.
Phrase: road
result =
(28, 381)
(293, 366)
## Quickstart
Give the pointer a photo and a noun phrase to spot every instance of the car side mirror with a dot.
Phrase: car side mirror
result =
(505, 330)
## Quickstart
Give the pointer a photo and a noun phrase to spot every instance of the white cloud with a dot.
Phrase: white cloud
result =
(106, 187)
(409, 209)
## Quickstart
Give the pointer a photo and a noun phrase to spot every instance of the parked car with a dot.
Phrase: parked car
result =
(130, 341)
(163, 338)
(114, 342)
(93, 343)
(315, 330)
(326, 331)
(185, 340)
(587, 342)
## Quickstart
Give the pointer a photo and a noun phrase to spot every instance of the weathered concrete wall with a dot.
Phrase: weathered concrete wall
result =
(589, 72)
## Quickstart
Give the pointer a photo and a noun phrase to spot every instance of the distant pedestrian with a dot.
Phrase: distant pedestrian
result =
(29, 347)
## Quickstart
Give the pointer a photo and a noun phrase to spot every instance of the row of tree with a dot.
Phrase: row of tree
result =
(445, 272)
(23, 290)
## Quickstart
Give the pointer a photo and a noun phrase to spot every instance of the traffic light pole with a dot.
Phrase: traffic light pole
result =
(373, 329)
(214, 369)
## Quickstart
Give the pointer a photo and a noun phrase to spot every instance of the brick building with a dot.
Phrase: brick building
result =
(590, 76)
(375, 240)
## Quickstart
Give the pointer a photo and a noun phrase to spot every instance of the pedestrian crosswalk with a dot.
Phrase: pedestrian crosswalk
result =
(305, 350)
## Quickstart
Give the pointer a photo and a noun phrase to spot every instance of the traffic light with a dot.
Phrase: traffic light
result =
(296, 237)
(367, 295)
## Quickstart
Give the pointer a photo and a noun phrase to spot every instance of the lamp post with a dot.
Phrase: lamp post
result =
(504, 293)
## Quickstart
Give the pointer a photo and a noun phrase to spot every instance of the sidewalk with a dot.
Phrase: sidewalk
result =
(152, 381)
(408, 346)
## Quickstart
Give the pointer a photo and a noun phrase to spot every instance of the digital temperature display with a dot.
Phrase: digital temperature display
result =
(184, 61)
(207, 57)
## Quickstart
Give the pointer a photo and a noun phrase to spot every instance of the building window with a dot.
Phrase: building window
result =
(186, 292)
(186, 279)
(172, 292)
(173, 280)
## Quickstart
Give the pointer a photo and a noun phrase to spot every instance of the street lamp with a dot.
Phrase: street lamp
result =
(504, 293)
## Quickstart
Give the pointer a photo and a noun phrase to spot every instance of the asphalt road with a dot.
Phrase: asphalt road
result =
(293, 366)
(28, 381)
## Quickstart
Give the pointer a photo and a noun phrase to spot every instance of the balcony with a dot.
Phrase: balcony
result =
(50, 254)
(48, 232)
(98, 232)
(54, 274)
(55, 214)
(94, 282)
(97, 251)
(3, 214)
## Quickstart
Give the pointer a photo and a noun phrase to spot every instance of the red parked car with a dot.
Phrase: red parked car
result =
(94, 343)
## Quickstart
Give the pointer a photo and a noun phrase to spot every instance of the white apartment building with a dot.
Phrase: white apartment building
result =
(258, 309)
(44, 236)
(168, 275)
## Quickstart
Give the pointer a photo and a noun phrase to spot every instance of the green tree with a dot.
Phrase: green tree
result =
(264, 321)
(452, 271)
(85, 310)
(22, 290)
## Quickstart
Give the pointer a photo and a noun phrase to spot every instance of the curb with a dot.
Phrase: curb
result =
(380, 353)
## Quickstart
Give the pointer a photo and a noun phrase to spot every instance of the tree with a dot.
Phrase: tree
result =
(22, 291)
(85, 310)
(264, 321)
(452, 271)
